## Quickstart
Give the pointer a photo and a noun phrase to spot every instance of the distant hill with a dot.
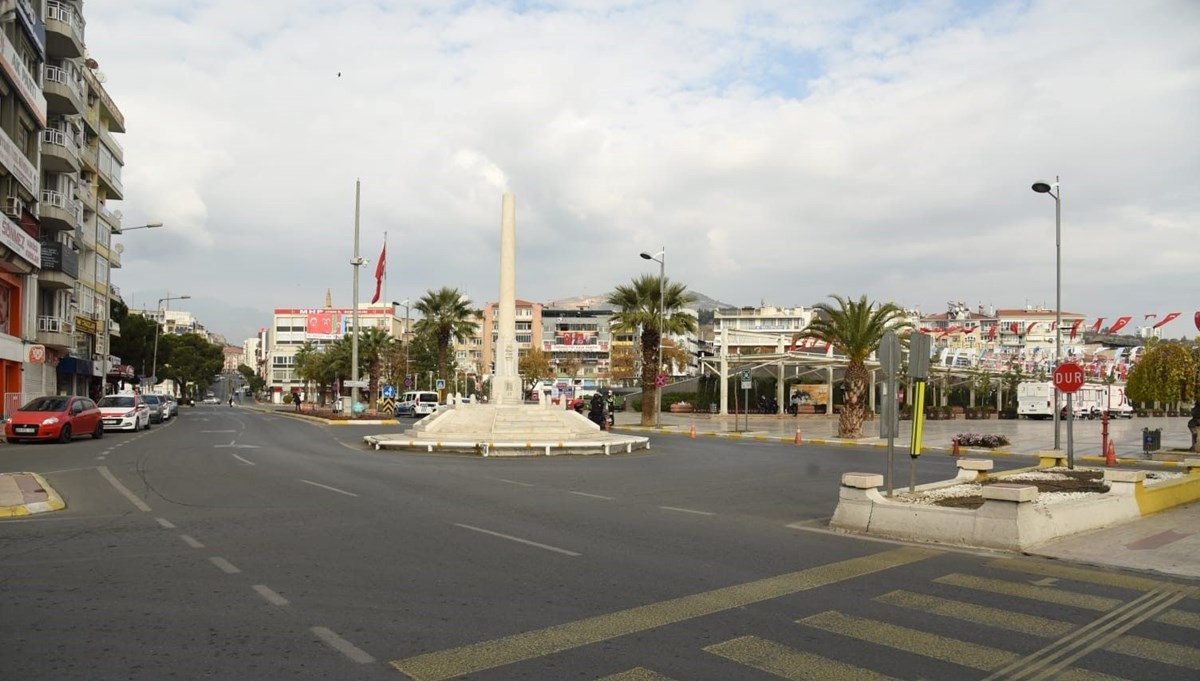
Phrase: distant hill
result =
(596, 302)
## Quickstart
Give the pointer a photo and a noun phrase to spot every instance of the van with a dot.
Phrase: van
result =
(417, 403)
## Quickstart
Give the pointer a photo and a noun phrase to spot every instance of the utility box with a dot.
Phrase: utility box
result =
(1151, 440)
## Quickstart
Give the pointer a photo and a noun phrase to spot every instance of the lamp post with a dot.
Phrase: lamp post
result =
(661, 259)
(405, 338)
(1055, 191)
(355, 263)
(157, 327)
(104, 365)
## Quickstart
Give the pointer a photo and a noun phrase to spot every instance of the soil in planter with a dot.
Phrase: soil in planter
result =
(1077, 481)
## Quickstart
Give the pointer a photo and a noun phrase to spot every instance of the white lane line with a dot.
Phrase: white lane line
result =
(112, 480)
(270, 595)
(518, 539)
(593, 496)
(514, 482)
(225, 566)
(685, 510)
(191, 541)
(331, 489)
(218, 431)
(245, 461)
(166, 523)
(343, 646)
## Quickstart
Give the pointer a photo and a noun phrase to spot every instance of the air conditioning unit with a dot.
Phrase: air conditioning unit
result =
(13, 206)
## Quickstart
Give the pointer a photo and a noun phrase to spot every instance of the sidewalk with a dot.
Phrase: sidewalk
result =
(23, 494)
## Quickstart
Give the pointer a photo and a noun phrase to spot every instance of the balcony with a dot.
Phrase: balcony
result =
(60, 266)
(56, 332)
(109, 217)
(59, 212)
(60, 154)
(63, 89)
(114, 257)
(64, 30)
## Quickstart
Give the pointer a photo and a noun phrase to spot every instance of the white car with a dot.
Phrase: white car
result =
(124, 412)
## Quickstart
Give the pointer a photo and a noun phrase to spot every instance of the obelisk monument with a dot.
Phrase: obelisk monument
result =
(506, 380)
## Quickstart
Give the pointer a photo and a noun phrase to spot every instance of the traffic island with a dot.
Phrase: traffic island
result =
(1014, 515)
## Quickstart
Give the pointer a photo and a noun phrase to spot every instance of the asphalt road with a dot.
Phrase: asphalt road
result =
(230, 544)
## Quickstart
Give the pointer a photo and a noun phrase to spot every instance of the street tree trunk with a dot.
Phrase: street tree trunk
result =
(851, 419)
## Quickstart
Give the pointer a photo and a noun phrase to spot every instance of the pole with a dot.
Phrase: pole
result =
(1058, 301)
(356, 262)
(662, 321)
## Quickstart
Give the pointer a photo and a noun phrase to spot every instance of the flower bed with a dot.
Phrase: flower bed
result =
(980, 440)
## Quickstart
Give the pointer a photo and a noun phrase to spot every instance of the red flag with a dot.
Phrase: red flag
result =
(1119, 324)
(1197, 320)
(1012, 326)
(1075, 328)
(1171, 316)
(1096, 326)
(1030, 327)
(992, 333)
(319, 323)
(380, 268)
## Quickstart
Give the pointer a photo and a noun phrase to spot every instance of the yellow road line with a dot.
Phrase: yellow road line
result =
(637, 674)
(1159, 651)
(1037, 593)
(447, 664)
(1181, 618)
(790, 664)
(978, 614)
(1088, 576)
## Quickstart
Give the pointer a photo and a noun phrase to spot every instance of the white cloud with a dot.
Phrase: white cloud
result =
(780, 150)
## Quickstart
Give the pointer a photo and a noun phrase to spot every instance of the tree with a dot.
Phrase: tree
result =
(622, 364)
(1168, 373)
(854, 328)
(374, 345)
(644, 305)
(253, 380)
(135, 345)
(534, 365)
(447, 317)
(190, 359)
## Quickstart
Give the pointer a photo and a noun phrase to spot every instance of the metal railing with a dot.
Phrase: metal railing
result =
(55, 325)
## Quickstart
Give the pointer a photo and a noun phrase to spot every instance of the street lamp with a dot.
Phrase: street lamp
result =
(157, 326)
(152, 225)
(661, 259)
(405, 337)
(104, 362)
(1055, 191)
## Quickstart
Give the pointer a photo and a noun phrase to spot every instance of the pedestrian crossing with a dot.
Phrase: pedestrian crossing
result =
(1102, 624)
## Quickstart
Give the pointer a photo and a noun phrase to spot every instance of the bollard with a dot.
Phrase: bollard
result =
(693, 433)
(1110, 456)
(799, 440)
(954, 451)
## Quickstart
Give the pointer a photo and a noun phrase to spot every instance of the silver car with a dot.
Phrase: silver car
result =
(158, 407)
(172, 405)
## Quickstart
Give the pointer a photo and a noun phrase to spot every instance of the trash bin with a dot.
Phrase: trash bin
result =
(1151, 440)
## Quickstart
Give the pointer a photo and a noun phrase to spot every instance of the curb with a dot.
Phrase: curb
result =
(53, 501)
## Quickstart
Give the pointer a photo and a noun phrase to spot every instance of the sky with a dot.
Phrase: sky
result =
(777, 151)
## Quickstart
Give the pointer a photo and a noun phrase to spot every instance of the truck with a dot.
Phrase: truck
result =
(1119, 406)
(1035, 400)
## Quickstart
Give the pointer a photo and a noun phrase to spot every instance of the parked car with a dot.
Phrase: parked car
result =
(158, 408)
(172, 405)
(124, 412)
(418, 403)
(54, 417)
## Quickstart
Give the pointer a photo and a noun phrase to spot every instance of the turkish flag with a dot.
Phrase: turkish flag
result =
(1119, 324)
(1030, 327)
(1075, 328)
(992, 333)
(1096, 326)
(1198, 321)
(319, 323)
(380, 269)
(1171, 316)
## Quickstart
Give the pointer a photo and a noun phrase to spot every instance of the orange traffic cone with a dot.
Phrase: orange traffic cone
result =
(693, 433)
(799, 440)
(1110, 456)
(954, 451)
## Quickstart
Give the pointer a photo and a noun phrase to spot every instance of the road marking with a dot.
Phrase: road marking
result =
(787, 663)
(190, 541)
(514, 482)
(225, 566)
(1088, 576)
(636, 674)
(1037, 593)
(594, 496)
(331, 489)
(234, 445)
(475, 657)
(218, 431)
(1181, 618)
(945, 649)
(166, 523)
(112, 480)
(342, 645)
(245, 461)
(685, 510)
(270, 595)
(519, 540)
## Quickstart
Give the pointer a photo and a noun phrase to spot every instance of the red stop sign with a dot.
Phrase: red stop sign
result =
(1068, 377)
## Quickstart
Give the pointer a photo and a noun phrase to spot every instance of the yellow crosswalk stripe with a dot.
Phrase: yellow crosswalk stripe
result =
(455, 662)
(1038, 593)
(1181, 618)
(1159, 651)
(934, 646)
(790, 664)
(978, 614)
(637, 674)
(1088, 576)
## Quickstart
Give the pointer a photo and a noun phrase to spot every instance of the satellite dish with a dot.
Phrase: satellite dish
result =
(91, 63)
(118, 214)
(120, 248)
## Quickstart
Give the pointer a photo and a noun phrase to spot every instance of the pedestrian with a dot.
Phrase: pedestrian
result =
(596, 410)
(297, 400)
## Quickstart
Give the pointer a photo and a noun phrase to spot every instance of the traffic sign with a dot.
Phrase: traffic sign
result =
(1068, 377)
(745, 374)
(354, 384)
(389, 391)
(660, 380)
(441, 384)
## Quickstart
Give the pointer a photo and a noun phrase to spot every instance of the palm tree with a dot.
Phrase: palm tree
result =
(638, 308)
(374, 344)
(854, 328)
(447, 317)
